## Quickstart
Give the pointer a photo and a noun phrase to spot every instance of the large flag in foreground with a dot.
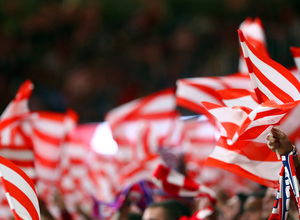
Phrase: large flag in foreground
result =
(245, 151)
(20, 191)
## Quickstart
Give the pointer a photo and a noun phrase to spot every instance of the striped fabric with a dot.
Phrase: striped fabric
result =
(176, 184)
(49, 131)
(254, 32)
(192, 92)
(27, 136)
(158, 105)
(15, 141)
(271, 80)
(140, 128)
(20, 191)
(245, 128)
(155, 113)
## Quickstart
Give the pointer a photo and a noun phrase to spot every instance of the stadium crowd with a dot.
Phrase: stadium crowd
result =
(92, 56)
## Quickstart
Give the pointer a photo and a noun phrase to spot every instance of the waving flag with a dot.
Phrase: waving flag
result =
(140, 128)
(20, 191)
(254, 32)
(192, 92)
(177, 184)
(33, 140)
(278, 91)
(15, 142)
(155, 113)
(34, 136)
(155, 106)
(271, 80)
(289, 124)
(49, 131)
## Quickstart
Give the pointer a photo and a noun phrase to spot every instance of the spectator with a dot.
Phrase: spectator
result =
(253, 207)
(268, 203)
(233, 208)
(166, 210)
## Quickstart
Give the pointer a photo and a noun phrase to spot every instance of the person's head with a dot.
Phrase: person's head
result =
(233, 208)
(268, 203)
(166, 210)
(252, 207)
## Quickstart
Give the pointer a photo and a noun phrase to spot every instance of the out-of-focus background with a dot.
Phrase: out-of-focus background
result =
(92, 56)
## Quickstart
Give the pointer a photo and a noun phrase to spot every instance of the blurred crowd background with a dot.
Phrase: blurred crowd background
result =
(93, 55)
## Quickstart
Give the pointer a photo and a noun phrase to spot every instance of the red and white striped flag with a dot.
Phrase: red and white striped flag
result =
(34, 136)
(271, 81)
(20, 191)
(278, 89)
(15, 142)
(176, 184)
(155, 112)
(158, 105)
(254, 32)
(76, 183)
(49, 131)
(289, 124)
(192, 92)
(140, 128)
(32, 140)
(247, 158)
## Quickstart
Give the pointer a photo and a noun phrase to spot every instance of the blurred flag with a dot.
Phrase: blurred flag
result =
(156, 106)
(20, 191)
(192, 92)
(49, 131)
(177, 184)
(16, 144)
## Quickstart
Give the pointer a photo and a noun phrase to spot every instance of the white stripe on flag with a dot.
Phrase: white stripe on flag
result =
(274, 76)
(14, 178)
(175, 179)
(20, 210)
(160, 104)
(257, 168)
(194, 94)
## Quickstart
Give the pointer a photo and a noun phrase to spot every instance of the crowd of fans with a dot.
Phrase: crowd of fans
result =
(92, 55)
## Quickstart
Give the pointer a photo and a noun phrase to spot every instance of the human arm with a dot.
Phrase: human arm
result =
(279, 141)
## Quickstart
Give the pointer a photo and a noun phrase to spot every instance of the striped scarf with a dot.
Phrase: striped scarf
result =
(288, 183)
